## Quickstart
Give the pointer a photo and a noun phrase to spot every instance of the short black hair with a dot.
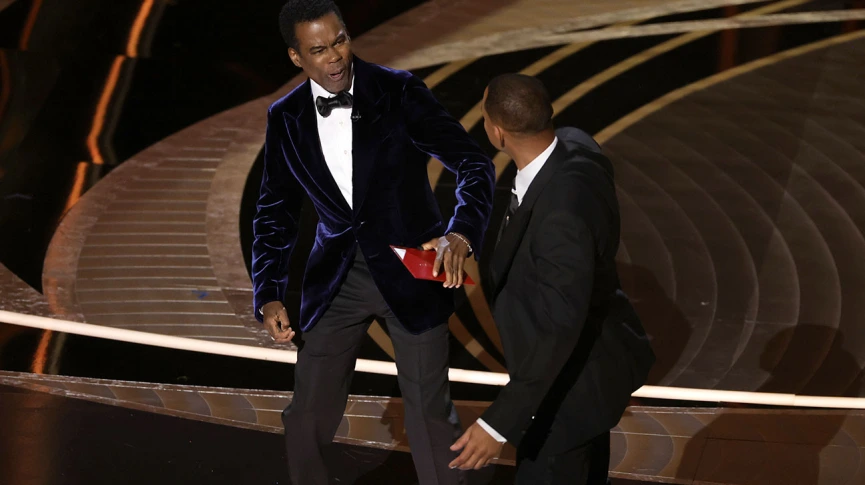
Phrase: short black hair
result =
(519, 104)
(299, 11)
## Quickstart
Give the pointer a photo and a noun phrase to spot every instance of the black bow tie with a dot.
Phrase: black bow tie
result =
(326, 105)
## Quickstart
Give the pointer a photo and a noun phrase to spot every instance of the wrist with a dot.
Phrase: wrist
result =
(491, 431)
(270, 303)
(463, 239)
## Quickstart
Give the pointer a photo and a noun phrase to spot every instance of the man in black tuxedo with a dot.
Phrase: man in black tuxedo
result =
(355, 138)
(574, 346)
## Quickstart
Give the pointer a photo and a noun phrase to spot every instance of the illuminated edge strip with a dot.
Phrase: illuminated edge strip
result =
(617, 127)
(138, 27)
(27, 31)
(502, 160)
(111, 83)
(102, 109)
(490, 47)
(389, 368)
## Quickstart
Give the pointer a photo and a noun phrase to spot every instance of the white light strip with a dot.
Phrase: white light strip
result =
(389, 368)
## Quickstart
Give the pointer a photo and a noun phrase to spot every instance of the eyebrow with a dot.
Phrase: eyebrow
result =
(340, 36)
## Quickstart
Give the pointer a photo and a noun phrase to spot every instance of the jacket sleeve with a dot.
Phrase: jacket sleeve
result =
(276, 220)
(563, 251)
(438, 134)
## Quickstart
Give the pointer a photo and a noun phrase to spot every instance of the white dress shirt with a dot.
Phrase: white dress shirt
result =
(336, 134)
(522, 182)
(525, 176)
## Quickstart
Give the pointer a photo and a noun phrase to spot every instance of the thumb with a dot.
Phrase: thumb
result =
(429, 245)
(462, 442)
(283, 319)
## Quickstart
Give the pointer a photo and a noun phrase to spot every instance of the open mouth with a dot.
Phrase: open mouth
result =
(337, 76)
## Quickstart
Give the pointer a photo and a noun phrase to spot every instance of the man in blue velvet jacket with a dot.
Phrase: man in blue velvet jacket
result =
(356, 138)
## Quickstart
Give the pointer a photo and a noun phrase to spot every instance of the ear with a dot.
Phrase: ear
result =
(295, 57)
(500, 134)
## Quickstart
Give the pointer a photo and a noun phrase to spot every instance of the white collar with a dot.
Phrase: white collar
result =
(525, 176)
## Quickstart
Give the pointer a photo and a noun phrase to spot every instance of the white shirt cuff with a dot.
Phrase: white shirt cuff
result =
(489, 429)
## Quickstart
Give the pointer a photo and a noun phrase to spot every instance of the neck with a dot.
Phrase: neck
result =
(525, 150)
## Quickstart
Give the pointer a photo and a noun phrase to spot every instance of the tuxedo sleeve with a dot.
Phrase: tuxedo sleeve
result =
(276, 219)
(438, 134)
(563, 251)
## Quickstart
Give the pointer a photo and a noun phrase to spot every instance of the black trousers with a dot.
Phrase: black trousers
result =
(587, 464)
(323, 374)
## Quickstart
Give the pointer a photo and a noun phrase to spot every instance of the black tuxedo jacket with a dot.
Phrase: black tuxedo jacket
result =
(574, 347)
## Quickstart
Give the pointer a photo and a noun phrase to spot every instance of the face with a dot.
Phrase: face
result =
(324, 52)
(494, 133)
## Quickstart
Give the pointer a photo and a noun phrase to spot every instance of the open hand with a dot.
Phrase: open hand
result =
(479, 448)
(451, 252)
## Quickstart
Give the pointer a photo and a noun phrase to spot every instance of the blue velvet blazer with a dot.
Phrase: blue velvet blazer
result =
(401, 125)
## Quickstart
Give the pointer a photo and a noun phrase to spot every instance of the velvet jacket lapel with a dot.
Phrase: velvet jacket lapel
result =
(303, 132)
(505, 251)
(370, 103)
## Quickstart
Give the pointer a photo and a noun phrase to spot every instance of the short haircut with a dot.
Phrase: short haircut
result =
(519, 104)
(299, 11)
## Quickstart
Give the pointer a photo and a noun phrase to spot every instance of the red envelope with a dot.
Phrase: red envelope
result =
(420, 264)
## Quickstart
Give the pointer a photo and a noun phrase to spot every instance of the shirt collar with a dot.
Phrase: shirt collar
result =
(525, 176)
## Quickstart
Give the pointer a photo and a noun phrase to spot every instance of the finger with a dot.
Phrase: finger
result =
(460, 264)
(285, 324)
(449, 269)
(458, 461)
(270, 326)
(429, 245)
(470, 462)
(465, 454)
(445, 256)
(477, 462)
(283, 332)
(437, 264)
(461, 442)
(285, 337)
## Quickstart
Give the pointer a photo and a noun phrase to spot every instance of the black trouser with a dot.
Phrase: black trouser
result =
(587, 464)
(325, 366)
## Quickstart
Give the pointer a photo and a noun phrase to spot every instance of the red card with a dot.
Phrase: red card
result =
(420, 264)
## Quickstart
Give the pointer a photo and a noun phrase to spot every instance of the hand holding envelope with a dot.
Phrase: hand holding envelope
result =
(421, 265)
